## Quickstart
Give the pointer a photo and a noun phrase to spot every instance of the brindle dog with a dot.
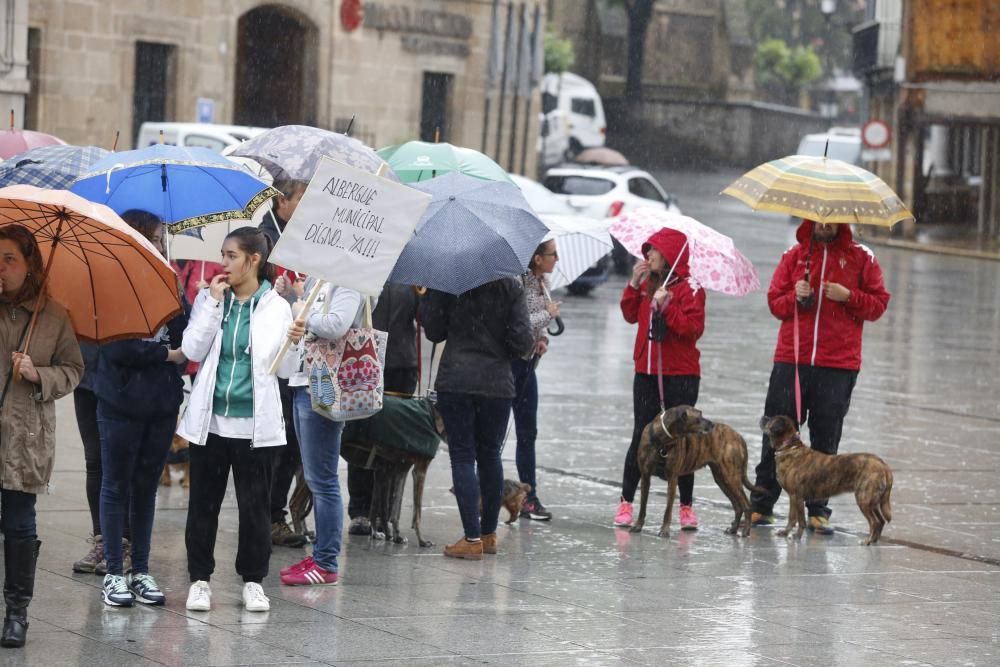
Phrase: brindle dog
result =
(680, 441)
(806, 474)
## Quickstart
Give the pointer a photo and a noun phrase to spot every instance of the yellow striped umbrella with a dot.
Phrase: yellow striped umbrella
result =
(820, 189)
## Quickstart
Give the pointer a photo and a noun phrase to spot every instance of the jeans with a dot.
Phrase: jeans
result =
(475, 427)
(287, 460)
(133, 452)
(826, 397)
(526, 421)
(319, 442)
(17, 516)
(252, 467)
(85, 406)
(677, 390)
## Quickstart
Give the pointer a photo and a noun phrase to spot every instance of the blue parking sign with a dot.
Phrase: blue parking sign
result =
(205, 110)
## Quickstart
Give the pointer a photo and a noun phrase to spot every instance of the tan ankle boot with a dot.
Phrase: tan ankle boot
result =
(489, 543)
(465, 549)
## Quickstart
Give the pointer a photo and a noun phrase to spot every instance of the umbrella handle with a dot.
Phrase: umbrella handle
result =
(317, 288)
(560, 327)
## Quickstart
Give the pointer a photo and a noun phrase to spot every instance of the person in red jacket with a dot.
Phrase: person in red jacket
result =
(834, 285)
(662, 291)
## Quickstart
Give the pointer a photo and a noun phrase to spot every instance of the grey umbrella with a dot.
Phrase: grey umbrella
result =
(473, 232)
(292, 152)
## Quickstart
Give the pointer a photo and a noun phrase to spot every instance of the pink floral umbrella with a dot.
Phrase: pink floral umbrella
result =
(714, 260)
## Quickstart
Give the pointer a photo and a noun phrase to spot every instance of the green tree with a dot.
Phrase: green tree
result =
(559, 55)
(782, 72)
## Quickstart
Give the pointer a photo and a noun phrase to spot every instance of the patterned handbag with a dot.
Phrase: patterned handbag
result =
(345, 376)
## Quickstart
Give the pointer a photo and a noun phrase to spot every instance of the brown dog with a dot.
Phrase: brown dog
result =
(680, 441)
(177, 459)
(806, 474)
(514, 495)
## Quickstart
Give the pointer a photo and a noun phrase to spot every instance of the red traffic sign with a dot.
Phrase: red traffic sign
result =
(876, 134)
(351, 15)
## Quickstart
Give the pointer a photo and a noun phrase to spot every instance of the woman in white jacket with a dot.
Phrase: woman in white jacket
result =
(335, 310)
(233, 418)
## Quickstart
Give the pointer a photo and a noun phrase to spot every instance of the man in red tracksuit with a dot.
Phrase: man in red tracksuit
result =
(662, 283)
(835, 285)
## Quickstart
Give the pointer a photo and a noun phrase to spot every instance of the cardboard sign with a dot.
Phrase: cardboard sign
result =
(350, 227)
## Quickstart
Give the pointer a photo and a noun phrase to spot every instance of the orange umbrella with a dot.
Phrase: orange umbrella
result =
(109, 277)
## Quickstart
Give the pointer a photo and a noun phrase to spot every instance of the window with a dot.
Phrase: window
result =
(579, 185)
(153, 94)
(31, 100)
(644, 188)
(435, 107)
(583, 106)
(202, 141)
(549, 102)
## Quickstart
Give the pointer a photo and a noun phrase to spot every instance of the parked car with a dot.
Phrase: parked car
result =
(604, 192)
(574, 113)
(546, 203)
(205, 135)
(838, 143)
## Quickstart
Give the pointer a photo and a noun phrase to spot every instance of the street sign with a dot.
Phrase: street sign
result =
(876, 134)
(876, 154)
(205, 110)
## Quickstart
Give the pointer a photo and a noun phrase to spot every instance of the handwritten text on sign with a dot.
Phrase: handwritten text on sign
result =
(350, 227)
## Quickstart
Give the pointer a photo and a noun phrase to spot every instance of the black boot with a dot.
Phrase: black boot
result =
(19, 558)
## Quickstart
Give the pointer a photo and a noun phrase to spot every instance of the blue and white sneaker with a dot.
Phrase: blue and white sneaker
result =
(115, 591)
(145, 590)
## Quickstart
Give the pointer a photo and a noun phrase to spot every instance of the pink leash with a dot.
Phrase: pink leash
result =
(798, 385)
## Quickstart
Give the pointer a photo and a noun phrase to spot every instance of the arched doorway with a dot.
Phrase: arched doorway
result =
(276, 68)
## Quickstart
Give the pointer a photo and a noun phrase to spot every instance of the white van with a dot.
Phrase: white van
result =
(837, 143)
(206, 135)
(573, 108)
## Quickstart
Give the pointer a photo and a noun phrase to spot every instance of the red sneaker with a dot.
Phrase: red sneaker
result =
(313, 575)
(303, 564)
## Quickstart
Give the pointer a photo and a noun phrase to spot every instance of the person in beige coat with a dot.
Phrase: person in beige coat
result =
(50, 369)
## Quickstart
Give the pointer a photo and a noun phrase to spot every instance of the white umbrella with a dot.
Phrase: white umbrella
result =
(580, 242)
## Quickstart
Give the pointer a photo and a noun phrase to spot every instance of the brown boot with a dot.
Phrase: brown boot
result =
(465, 549)
(489, 543)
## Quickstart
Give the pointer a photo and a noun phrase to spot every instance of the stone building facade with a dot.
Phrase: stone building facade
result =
(402, 69)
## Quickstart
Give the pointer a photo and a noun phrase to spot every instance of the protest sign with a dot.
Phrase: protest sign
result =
(350, 227)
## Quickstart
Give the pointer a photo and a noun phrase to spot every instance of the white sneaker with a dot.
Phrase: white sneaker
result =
(254, 598)
(199, 597)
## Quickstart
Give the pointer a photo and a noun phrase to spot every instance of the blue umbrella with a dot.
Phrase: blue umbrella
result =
(473, 232)
(186, 187)
(50, 167)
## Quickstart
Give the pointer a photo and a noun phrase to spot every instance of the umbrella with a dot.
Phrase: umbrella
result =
(473, 232)
(820, 189)
(417, 161)
(14, 141)
(292, 152)
(607, 157)
(184, 186)
(52, 167)
(580, 242)
(713, 260)
(110, 278)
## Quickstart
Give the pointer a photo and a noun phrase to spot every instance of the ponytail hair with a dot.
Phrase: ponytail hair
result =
(253, 241)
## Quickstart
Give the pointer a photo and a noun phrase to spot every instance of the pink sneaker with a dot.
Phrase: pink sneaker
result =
(311, 575)
(689, 520)
(303, 564)
(623, 519)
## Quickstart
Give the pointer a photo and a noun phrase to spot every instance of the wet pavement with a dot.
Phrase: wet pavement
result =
(577, 591)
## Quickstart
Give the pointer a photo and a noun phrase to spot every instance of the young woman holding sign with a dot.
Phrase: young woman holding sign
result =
(233, 419)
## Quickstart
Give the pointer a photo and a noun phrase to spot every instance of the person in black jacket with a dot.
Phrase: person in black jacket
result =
(396, 314)
(139, 391)
(486, 328)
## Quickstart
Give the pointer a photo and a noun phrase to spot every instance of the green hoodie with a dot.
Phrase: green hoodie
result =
(234, 376)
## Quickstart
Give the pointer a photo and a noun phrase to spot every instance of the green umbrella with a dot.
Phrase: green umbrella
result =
(417, 161)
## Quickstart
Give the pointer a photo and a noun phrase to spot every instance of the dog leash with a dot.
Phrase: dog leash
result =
(798, 384)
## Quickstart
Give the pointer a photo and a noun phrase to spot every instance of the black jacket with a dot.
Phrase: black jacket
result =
(134, 378)
(486, 328)
(396, 314)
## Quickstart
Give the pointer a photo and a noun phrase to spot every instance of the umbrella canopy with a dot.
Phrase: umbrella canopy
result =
(292, 152)
(579, 241)
(713, 260)
(820, 189)
(473, 231)
(185, 186)
(111, 279)
(607, 157)
(14, 141)
(417, 161)
(52, 167)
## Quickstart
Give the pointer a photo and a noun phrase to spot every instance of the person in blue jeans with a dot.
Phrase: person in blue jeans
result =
(486, 328)
(332, 314)
(139, 392)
